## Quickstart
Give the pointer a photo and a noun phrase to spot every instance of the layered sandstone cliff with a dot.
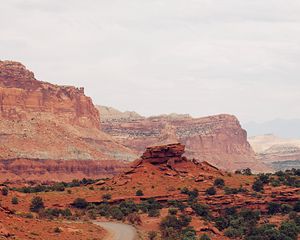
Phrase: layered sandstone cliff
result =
(40, 120)
(218, 139)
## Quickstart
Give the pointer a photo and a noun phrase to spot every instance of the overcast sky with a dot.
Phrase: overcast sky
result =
(200, 57)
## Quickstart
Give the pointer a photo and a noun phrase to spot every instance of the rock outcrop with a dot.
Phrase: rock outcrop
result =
(218, 139)
(42, 121)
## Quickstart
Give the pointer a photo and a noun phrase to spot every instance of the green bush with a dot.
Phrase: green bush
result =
(200, 209)
(273, 208)
(152, 235)
(153, 213)
(128, 207)
(290, 229)
(219, 182)
(116, 213)
(204, 237)
(264, 178)
(80, 203)
(221, 223)
(211, 191)
(139, 193)
(297, 206)
(258, 185)
(233, 232)
(37, 204)
(15, 200)
(106, 197)
(286, 208)
(173, 211)
(4, 191)
(247, 172)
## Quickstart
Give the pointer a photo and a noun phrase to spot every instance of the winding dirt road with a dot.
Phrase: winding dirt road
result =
(118, 231)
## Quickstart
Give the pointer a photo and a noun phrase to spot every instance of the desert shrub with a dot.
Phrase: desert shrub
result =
(275, 183)
(37, 204)
(230, 211)
(221, 223)
(290, 229)
(55, 212)
(204, 237)
(149, 204)
(15, 200)
(200, 209)
(4, 191)
(80, 203)
(139, 193)
(177, 204)
(273, 208)
(258, 185)
(233, 232)
(58, 187)
(286, 208)
(193, 195)
(264, 178)
(57, 230)
(229, 190)
(280, 173)
(106, 197)
(247, 172)
(103, 209)
(172, 211)
(153, 213)
(219, 182)
(184, 220)
(249, 215)
(189, 233)
(128, 207)
(116, 213)
(152, 235)
(211, 191)
(297, 206)
(184, 190)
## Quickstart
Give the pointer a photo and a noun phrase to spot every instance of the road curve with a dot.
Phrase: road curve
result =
(118, 231)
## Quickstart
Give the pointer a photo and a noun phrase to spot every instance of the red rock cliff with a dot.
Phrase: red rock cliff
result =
(21, 96)
(218, 139)
(44, 127)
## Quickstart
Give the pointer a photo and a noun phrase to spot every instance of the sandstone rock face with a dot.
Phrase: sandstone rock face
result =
(218, 139)
(41, 170)
(163, 154)
(42, 121)
(22, 96)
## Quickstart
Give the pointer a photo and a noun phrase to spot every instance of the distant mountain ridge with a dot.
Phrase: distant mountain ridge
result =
(285, 128)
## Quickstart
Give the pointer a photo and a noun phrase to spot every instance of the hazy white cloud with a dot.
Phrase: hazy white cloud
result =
(197, 56)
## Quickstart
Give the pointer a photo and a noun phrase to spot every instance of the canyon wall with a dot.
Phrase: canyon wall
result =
(22, 97)
(39, 120)
(218, 139)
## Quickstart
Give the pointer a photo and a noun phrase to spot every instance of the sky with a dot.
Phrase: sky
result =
(201, 57)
